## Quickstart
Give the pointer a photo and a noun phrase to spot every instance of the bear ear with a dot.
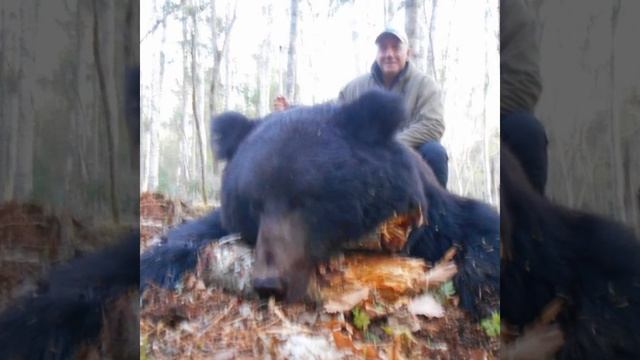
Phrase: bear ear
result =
(374, 117)
(228, 130)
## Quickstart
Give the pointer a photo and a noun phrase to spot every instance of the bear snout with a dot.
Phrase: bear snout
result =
(268, 286)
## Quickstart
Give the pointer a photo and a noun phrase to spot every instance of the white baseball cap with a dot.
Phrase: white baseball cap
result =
(399, 33)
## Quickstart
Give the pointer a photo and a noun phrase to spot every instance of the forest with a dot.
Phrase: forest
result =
(202, 58)
(75, 171)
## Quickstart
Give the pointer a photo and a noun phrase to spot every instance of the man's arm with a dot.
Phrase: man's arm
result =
(427, 123)
(520, 82)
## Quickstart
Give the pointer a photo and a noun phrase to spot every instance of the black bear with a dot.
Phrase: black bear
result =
(299, 183)
(68, 309)
(590, 263)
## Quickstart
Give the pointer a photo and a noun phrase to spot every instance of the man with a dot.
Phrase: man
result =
(392, 71)
(520, 88)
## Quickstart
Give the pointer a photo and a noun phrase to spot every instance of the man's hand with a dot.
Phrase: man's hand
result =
(280, 103)
(537, 342)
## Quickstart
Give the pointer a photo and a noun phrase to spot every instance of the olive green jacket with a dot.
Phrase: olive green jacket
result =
(422, 98)
(520, 83)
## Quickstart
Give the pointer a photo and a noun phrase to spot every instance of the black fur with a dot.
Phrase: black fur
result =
(164, 264)
(341, 169)
(67, 310)
(473, 229)
(591, 262)
(227, 132)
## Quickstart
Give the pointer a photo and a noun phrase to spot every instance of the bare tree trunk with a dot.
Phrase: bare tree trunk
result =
(629, 198)
(389, 11)
(145, 153)
(355, 26)
(83, 120)
(194, 104)
(4, 133)
(16, 101)
(10, 97)
(227, 80)
(153, 158)
(264, 66)
(23, 184)
(442, 76)
(218, 53)
(115, 213)
(184, 175)
(414, 32)
(616, 146)
(485, 133)
(290, 84)
(215, 68)
(431, 59)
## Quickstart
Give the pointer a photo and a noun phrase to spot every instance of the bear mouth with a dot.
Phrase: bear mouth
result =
(378, 247)
(391, 235)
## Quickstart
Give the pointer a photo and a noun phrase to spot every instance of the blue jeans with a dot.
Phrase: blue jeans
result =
(436, 156)
(527, 140)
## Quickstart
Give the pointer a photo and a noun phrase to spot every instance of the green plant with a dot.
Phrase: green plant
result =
(491, 324)
(144, 348)
(360, 318)
(447, 289)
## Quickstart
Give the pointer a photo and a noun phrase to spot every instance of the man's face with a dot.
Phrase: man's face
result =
(392, 55)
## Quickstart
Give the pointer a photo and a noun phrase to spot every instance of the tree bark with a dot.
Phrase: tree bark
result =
(431, 59)
(151, 166)
(11, 97)
(194, 105)
(264, 66)
(414, 32)
(290, 83)
(616, 146)
(215, 66)
(115, 212)
(23, 185)
(389, 11)
(485, 133)
(4, 136)
(184, 175)
(218, 53)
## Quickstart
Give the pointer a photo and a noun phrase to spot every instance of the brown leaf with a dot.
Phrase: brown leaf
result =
(342, 341)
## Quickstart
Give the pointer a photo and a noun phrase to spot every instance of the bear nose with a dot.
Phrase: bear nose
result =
(269, 286)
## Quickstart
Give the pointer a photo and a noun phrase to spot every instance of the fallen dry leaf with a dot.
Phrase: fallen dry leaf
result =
(403, 321)
(233, 325)
(342, 341)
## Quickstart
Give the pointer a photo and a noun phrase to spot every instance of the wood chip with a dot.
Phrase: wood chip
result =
(426, 305)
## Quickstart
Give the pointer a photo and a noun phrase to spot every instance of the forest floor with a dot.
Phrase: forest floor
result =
(202, 321)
